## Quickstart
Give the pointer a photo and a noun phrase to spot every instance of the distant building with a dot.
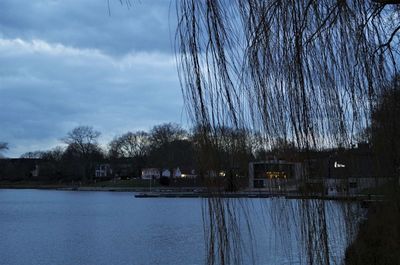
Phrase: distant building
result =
(103, 171)
(150, 173)
(177, 173)
(273, 174)
(337, 171)
(166, 173)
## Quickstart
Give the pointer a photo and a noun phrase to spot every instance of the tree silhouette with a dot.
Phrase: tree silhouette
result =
(130, 145)
(83, 147)
(169, 146)
(385, 127)
(3, 147)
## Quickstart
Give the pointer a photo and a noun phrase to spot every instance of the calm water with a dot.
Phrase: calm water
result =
(84, 228)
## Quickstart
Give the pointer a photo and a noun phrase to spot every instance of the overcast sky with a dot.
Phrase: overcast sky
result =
(69, 63)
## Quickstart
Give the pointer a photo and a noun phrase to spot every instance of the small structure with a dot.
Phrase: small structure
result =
(150, 173)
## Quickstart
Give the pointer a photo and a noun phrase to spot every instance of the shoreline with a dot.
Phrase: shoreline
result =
(62, 188)
(105, 188)
(195, 192)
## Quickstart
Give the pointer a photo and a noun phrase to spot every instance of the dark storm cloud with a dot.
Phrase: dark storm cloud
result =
(67, 63)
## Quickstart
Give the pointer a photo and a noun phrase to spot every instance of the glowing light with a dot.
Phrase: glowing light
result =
(275, 174)
(337, 165)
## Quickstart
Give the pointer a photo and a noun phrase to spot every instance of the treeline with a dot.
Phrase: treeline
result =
(165, 146)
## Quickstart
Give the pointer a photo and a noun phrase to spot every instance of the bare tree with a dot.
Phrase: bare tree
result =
(54, 154)
(82, 143)
(166, 133)
(33, 155)
(3, 147)
(130, 145)
(169, 146)
(83, 137)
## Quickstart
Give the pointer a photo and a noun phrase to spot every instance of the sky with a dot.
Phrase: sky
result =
(69, 63)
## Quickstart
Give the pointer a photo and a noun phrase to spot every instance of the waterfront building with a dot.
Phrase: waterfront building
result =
(274, 174)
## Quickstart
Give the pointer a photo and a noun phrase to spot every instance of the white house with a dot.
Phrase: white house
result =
(177, 173)
(150, 173)
(166, 173)
(103, 171)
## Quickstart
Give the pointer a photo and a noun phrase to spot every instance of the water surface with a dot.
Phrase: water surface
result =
(44, 227)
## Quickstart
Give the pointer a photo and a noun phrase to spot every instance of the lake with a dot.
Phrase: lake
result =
(45, 227)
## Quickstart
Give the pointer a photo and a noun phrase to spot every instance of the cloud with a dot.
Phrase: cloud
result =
(145, 26)
(48, 88)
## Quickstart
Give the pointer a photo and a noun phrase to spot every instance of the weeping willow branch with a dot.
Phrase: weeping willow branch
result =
(307, 72)
(303, 70)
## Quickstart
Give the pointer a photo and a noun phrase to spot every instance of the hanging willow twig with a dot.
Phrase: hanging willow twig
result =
(307, 72)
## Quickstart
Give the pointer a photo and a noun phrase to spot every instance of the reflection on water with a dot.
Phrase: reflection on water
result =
(82, 228)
